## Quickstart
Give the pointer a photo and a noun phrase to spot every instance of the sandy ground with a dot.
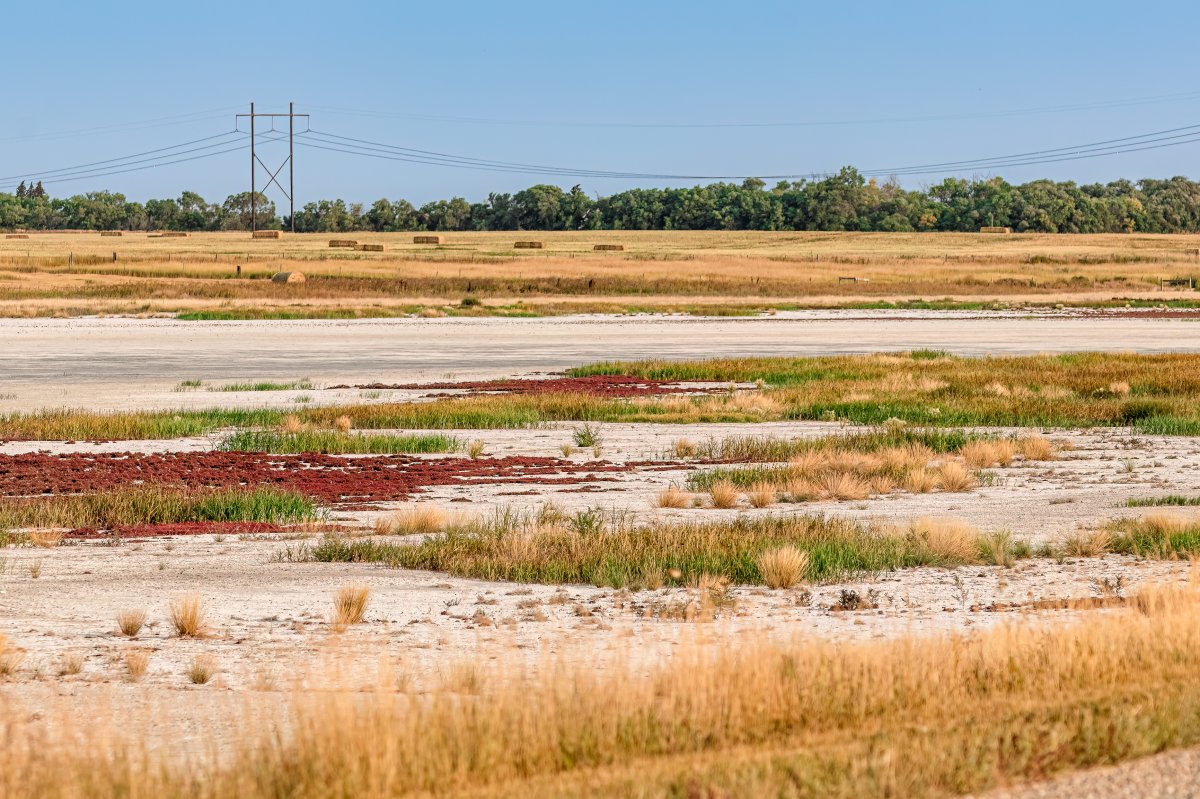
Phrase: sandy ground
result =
(136, 363)
(269, 627)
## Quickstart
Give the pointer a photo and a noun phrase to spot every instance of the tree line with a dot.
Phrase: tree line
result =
(845, 201)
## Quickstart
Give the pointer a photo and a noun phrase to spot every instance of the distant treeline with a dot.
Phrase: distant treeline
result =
(845, 201)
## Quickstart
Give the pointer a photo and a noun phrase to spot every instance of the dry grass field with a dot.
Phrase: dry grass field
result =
(715, 272)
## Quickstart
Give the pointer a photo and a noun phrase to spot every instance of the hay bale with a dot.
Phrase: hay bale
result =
(528, 245)
(16, 235)
(268, 234)
(369, 247)
(172, 234)
(1004, 230)
(288, 277)
(110, 233)
(351, 243)
(610, 247)
(428, 240)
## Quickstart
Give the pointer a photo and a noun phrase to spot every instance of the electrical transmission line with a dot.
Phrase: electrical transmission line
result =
(237, 140)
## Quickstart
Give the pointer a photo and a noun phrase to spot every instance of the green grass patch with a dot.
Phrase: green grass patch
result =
(334, 442)
(607, 550)
(1152, 502)
(294, 385)
(157, 505)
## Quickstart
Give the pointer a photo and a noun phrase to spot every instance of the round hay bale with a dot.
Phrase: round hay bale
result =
(288, 277)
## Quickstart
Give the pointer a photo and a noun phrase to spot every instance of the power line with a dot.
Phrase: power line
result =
(178, 119)
(945, 117)
(1146, 141)
(123, 158)
(234, 149)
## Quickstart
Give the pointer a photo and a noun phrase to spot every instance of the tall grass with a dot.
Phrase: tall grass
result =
(157, 505)
(337, 442)
(1156, 535)
(610, 550)
(918, 717)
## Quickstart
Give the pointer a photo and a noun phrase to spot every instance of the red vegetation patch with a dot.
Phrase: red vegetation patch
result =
(597, 385)
(326, 478)
(180, 528)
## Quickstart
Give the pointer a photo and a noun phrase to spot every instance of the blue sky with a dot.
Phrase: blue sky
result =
(847, 70)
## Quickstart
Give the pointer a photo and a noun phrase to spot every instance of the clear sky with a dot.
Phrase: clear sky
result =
(613, 86)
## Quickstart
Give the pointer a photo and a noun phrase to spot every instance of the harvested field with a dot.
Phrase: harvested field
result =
(726, 273)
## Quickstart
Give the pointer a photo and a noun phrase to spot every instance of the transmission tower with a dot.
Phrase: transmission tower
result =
(289, 162)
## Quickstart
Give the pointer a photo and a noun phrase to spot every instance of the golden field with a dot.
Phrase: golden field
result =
(74, 273)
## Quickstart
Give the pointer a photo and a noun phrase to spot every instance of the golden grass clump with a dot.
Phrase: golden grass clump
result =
(1086, 543)
(842, 485)
(292, 424)
(953, 477)
(130, 621)
(45, 539)
(762, 495)
(475, 449)
(136, 662)
(188, 616)
(202, 669)
(350, 605)
(672, 497)
(1036, 448)
(948, 541)
(782, 567)
(724, 494)
(11, 657)
(979, 453)
(419, 519)
(1119, 388)
(70, 664)
(343, 423)
(683, 448)
(918, 481)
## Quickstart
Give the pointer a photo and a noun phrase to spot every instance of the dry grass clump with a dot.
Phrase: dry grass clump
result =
(343, 423)
(782, 567)
(136, 662)
(71, 663)
(419, 519)
(672, 497)
(350, 605)
(683, 448)
(292, 424)
(188, 616)
(130, 621)
(1086, 543)
(11, 657)
(475, 449)
(44, 539)
(952, 477)
(761, 495)
(946, 541)
(202, 669)
(723, 494)
(1036, 448)
(842, 485)
(918, 481)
